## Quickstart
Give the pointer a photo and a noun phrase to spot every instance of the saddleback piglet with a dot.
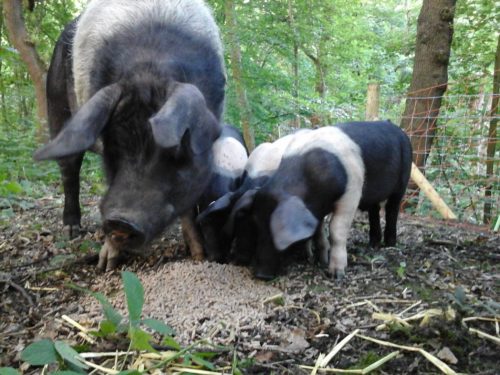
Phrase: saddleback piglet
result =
(230, 158)
(147, 78)
(331, 170)
(261, 165)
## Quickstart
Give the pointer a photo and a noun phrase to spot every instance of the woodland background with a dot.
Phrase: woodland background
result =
(290, 63)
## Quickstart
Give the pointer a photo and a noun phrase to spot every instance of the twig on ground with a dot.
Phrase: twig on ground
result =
(21, 290)
(337, 348)
(101, 368)
(435, 361)
(43, 289)
(315, 313)
(410, 308)
(32, 263)
(87, 259)
(190, 370)
(278, 298)
(485, 335)
(83, 331)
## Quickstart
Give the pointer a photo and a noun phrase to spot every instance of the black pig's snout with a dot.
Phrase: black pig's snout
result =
(124, 233)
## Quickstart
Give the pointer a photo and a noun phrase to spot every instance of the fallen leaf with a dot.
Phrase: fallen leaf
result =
(447, 355)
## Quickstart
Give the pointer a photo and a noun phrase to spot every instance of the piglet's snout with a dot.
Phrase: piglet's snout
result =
(124, 233)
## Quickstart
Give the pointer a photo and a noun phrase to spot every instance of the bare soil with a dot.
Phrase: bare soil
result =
(436, 265)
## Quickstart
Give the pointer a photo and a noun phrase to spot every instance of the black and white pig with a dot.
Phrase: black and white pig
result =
(332, 170)
(218, 236)
(146, 77)
(230, 158)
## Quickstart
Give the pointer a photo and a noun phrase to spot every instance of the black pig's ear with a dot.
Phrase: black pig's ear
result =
(291, 222)
(82, 131)
(221, 204)
(242, 205)
(185, 114)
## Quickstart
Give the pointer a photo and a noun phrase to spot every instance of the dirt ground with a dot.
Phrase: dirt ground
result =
(443, 276)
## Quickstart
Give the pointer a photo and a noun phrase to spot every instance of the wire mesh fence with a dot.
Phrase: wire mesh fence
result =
(461, 153)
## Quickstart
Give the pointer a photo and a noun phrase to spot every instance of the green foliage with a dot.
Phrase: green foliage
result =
(45, 352)
(48, 352)
(460, 301)
(238, 365)
(22, 180)
(474, 42)
(40, 353)
(139, 339)
(354, 42)
(169, 341)
(113, 317)
(158, 326)
(288, 48)
(69, 355)
(366, 360)
(401, 270)
(8, 371)
(135, 296)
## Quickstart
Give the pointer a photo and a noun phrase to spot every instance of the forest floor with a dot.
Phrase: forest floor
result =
(431, 292)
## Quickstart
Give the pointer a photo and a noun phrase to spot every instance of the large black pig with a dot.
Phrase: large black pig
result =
(331, 170)
(146, 77)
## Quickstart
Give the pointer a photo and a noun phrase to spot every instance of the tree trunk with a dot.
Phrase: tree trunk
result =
(320, 85)
(430, 75)
(295, 65)
(318, 60)
(492, 138)
(429, 80)
(236, 68)
(3, 105)
(19, 38)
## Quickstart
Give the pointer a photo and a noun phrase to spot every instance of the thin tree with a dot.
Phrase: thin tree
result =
(430, 75)
(18, 36)
(492, 137)
(295, 64)
(236, 69)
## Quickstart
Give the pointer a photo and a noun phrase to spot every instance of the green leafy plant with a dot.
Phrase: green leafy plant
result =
(8, 371)
(401, 270)
(60, 354)
(46, 352)
(116, 323)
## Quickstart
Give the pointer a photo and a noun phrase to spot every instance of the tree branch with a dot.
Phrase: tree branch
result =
(19, 38)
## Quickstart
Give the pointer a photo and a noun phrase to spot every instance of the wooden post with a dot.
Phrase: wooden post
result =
(372, 101)
(432, 194)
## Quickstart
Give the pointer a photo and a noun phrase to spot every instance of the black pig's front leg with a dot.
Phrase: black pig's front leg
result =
(191, 235)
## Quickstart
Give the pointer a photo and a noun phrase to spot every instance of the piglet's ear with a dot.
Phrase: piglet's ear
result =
(291, 222)
(82, 131)
(185, 114)
(223, 203)
(242, 205)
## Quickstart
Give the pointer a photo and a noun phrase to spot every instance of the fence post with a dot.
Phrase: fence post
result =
(372, 101)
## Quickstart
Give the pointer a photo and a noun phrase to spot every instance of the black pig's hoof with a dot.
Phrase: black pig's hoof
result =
(242, 259)
(108, 257)
(217, 257)
(390, 242)
(337, 274)
(264, 276)
(72, 231)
